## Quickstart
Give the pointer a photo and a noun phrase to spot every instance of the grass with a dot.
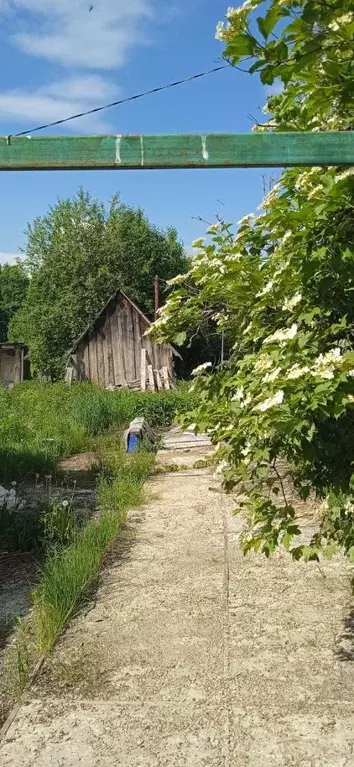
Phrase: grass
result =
(39, 425)
(69, 572)
(43, 423)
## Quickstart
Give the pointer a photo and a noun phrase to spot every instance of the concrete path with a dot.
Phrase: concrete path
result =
(195, 656)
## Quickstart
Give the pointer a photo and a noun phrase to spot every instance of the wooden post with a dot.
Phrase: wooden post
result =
(143, 370)
(166, 378)
(156, 293)
(151, 378)
(158, 380)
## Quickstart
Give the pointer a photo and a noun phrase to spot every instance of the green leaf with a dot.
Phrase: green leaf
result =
(267, 75)
(180, 338)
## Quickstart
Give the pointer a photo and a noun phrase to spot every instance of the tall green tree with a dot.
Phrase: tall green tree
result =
(282, 288)
(13, 290)
(77, 256)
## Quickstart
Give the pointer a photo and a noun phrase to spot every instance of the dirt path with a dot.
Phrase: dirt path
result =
(194, 656)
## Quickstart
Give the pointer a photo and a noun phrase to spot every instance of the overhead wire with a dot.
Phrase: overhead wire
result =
(119, 102)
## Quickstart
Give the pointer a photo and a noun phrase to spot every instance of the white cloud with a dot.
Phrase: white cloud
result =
(10, 258)
(60, 99)
(67, 32)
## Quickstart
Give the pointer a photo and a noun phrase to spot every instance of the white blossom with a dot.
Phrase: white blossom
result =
(332, 356)
(201, 368)
(315, 191)
(263, 363)
(219, 32)
(324, 372)
(341, 21)
(277, 399)
(345, 174)
(271, 197)
(65, 504)
(238, 394)
(270, 377)
(245, 219)
(290, 303)
(178, 280)
(267, 289)
(213, 228)
(198, 243)
(286, 237)
(296, 371)
(240, 11)
(287, 334)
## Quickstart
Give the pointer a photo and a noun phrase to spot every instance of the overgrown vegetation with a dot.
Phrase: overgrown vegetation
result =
(42, 423)
(282, 289)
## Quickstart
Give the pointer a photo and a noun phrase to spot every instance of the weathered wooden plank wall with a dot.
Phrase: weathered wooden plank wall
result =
(11, 366)
(110, 354)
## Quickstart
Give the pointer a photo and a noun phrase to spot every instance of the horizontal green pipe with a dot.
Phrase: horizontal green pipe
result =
(209, 150)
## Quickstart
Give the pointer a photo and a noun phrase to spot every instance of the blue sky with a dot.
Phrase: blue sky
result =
(57, 57)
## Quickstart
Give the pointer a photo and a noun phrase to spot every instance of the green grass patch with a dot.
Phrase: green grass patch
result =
(43, 423)
(69, 572)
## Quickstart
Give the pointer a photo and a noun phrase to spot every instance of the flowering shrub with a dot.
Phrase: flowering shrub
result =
(282, 288)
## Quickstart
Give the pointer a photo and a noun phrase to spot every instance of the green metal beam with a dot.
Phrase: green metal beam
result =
(211, 150)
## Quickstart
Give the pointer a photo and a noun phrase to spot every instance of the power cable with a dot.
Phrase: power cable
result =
(121, 101)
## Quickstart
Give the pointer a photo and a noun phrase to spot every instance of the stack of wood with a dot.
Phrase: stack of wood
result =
(152, 379)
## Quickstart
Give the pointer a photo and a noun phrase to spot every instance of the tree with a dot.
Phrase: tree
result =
(282, 288)
(77, 256)
(13, 290)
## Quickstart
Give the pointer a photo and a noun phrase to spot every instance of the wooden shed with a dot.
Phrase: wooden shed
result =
(14, 367)
(114, 352)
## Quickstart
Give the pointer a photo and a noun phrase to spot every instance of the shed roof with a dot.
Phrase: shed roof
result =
(101, 312)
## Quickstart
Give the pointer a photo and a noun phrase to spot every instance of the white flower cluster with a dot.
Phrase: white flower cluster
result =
(325, 364)
(287, 334)
(315, 191)
(270, 377)
(246, 219)
(285, 237)
(263, 363)
(178, 280)
(213, 228)
(271, 197)
(345, 174)
(201, 368)
(307, 178)
(296, 371)
(277, 399)
(290, 303)
(341, 21)
(240, 397)
(324, 367)
(267, 289)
